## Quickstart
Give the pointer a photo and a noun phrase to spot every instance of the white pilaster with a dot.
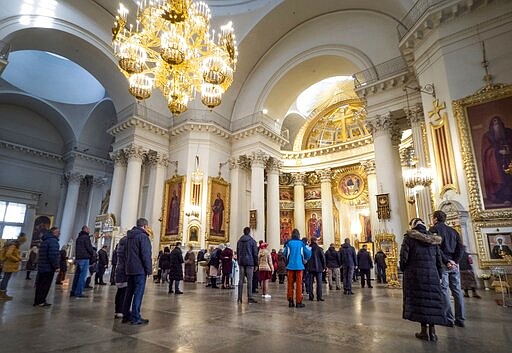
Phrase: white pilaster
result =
(386, 137)
(258, 160)
(95, 198)
(273, 224)
(235, 228)
(369, 168)
(423, 195)
(131, 190)
(157, 164)
(327, 214)
(68, 216)
(298, 198)
(118, 182)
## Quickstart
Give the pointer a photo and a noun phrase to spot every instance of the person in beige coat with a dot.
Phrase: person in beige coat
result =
(11, 263)
(265, 268)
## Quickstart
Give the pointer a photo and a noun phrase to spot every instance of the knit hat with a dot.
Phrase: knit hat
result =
(263, 245)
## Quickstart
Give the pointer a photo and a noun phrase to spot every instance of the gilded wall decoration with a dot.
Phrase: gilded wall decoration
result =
(443, 150)
(494, 242)
(217, 210)
(485, 129)
(383, 206)
(314, 225)
(172, 210)
(286, 193)
(312, 193)
(350, 185)
(287, 225)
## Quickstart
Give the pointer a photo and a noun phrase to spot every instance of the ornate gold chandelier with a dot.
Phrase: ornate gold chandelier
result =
(171, 48)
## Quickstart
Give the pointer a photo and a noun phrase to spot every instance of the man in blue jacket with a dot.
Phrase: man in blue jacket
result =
(138, 267)
(296, 253)
(48, 263)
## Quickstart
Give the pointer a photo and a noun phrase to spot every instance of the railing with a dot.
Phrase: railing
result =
(200, 116)
(380, 72)
(414, 14)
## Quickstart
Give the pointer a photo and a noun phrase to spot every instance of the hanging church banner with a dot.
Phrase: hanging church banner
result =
(485, 127)
(217, 212)
(172, 213)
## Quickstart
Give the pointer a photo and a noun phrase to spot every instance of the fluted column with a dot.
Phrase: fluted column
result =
(423, 196)
(236, 219)
(129, 207)
(94, 202)
(327, 214)
(299, 212)
(369, 168)
(386, 137)
(273, 224)
(30, 217)
(118, 182)
(157, 164)
(68, 216)
(258, 160)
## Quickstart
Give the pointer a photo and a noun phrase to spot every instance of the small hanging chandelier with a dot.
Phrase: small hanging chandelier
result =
(171, 48)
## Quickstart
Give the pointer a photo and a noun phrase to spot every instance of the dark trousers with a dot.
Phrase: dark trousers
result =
(98, 279)
(319, 283)
(61, 276)
(367, 274)
(348, 272)
(133, 298)
(120, 294)
(381, 274)
(5, 280)
(176, 285)
(255, 280)
(43, 284)
(281, 278)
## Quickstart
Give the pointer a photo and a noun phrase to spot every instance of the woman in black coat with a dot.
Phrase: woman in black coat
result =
(420, 261)
(176, 269)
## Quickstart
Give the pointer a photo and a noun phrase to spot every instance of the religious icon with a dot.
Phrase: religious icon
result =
(218, 210)
(218, 214)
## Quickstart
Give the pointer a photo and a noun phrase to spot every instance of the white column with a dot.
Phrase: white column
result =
(118, 181)
(157, 163)
(94, 203)
(299, 212)
(423, 196)
(327, 214)
(236, 219)
(386, 137)
(68, 216)
(28, 227)
(369, 168)
(258, 160)
(131, 190)
(273, 224)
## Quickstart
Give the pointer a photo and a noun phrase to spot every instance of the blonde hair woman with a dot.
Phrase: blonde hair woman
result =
(266, 268)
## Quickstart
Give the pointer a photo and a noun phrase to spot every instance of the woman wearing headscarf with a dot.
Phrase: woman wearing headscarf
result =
(421, 264)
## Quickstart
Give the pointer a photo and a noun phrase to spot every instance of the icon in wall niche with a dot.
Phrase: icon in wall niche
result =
(172, 215)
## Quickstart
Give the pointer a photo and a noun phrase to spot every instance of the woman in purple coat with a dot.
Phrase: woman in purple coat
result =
(226, 257)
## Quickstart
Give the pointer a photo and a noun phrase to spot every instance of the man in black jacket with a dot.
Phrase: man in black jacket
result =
(102, 265)
(333, 263)
(451, 253)
(138, 267)
(48, 263)
(316, 266)
(83, 253)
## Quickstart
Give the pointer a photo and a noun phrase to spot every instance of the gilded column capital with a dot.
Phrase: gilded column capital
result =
(258, 159)
(298, 178)
(324, 174)
(274, 165)
(369, 166)
(134, 152)
(119, 158)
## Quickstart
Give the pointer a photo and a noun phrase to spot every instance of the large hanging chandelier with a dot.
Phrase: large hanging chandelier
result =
(171, 48)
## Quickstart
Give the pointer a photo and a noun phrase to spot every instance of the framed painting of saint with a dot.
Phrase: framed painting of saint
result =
(485, 128)
(314, 225)
(286, 223)
(218, 209)
(172, 214)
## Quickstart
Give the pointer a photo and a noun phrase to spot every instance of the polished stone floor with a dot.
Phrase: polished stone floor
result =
(210, 320)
